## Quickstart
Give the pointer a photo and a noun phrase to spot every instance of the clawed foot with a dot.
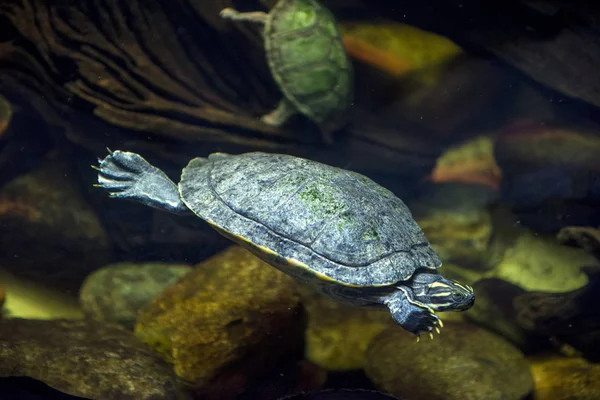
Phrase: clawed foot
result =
(430, 324)
(411, 314)
(120, 173)
(127, 175)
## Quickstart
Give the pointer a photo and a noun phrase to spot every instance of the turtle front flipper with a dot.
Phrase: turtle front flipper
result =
(410, 314)
(129, 176)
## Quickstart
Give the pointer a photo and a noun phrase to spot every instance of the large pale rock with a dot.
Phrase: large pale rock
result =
(86, 359)
(464, 363)
(115, 293)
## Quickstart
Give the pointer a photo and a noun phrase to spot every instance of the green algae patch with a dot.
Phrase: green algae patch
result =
(370, 234)
(321, 201)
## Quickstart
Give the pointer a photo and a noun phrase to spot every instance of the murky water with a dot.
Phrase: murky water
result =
(299, 199)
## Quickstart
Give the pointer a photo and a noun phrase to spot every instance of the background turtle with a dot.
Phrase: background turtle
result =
(307, 58)
(334, 229)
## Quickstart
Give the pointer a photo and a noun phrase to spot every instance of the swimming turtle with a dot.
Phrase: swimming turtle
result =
(307, 59)
(332, 228)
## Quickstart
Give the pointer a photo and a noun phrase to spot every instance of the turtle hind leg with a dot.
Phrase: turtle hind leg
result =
(284, 111)
(258, 17)
(129, 176)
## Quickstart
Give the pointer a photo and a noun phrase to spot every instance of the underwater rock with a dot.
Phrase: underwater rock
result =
(537, 262)
(115, 293)
(456, 221)
(6, 113)
(464, 363)
(552, 42)
(528, 263)
(586, 237)
(43, 210)
(571, 317)
(337, 335)
(25, 138)
(494, 309)
(563, 378)
(397, 48)
(2, 298)
(24, 388)
(340, 394)
(84, 358)
(550, 174)
(470, 162)
(409, 79)
(226, 321)
(34, 300)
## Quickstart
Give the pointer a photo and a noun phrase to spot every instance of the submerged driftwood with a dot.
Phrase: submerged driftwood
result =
(171, 77)
(169, 71)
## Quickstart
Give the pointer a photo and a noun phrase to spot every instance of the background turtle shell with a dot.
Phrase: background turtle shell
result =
(334, 223)
(308, 60)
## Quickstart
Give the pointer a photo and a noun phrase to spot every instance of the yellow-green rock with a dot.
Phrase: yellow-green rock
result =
(524, 262)
(456, 219)
(459, 236)
(538, 263)
(232, 315)
(337, 334)
(563, 378)
(33, 300)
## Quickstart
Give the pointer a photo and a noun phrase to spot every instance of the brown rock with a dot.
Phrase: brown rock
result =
(470, 162)
(224, 322)
(6, 113)
(550, 174)
(44, 210)
(562, 378)
(465, 362)
(84, 358)
(495, 309)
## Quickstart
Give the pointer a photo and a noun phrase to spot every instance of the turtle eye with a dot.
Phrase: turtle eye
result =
(456, 296)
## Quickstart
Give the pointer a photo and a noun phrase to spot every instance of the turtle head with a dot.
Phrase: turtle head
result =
(440, 293)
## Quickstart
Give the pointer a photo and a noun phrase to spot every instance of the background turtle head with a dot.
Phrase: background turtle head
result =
(441, 293)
